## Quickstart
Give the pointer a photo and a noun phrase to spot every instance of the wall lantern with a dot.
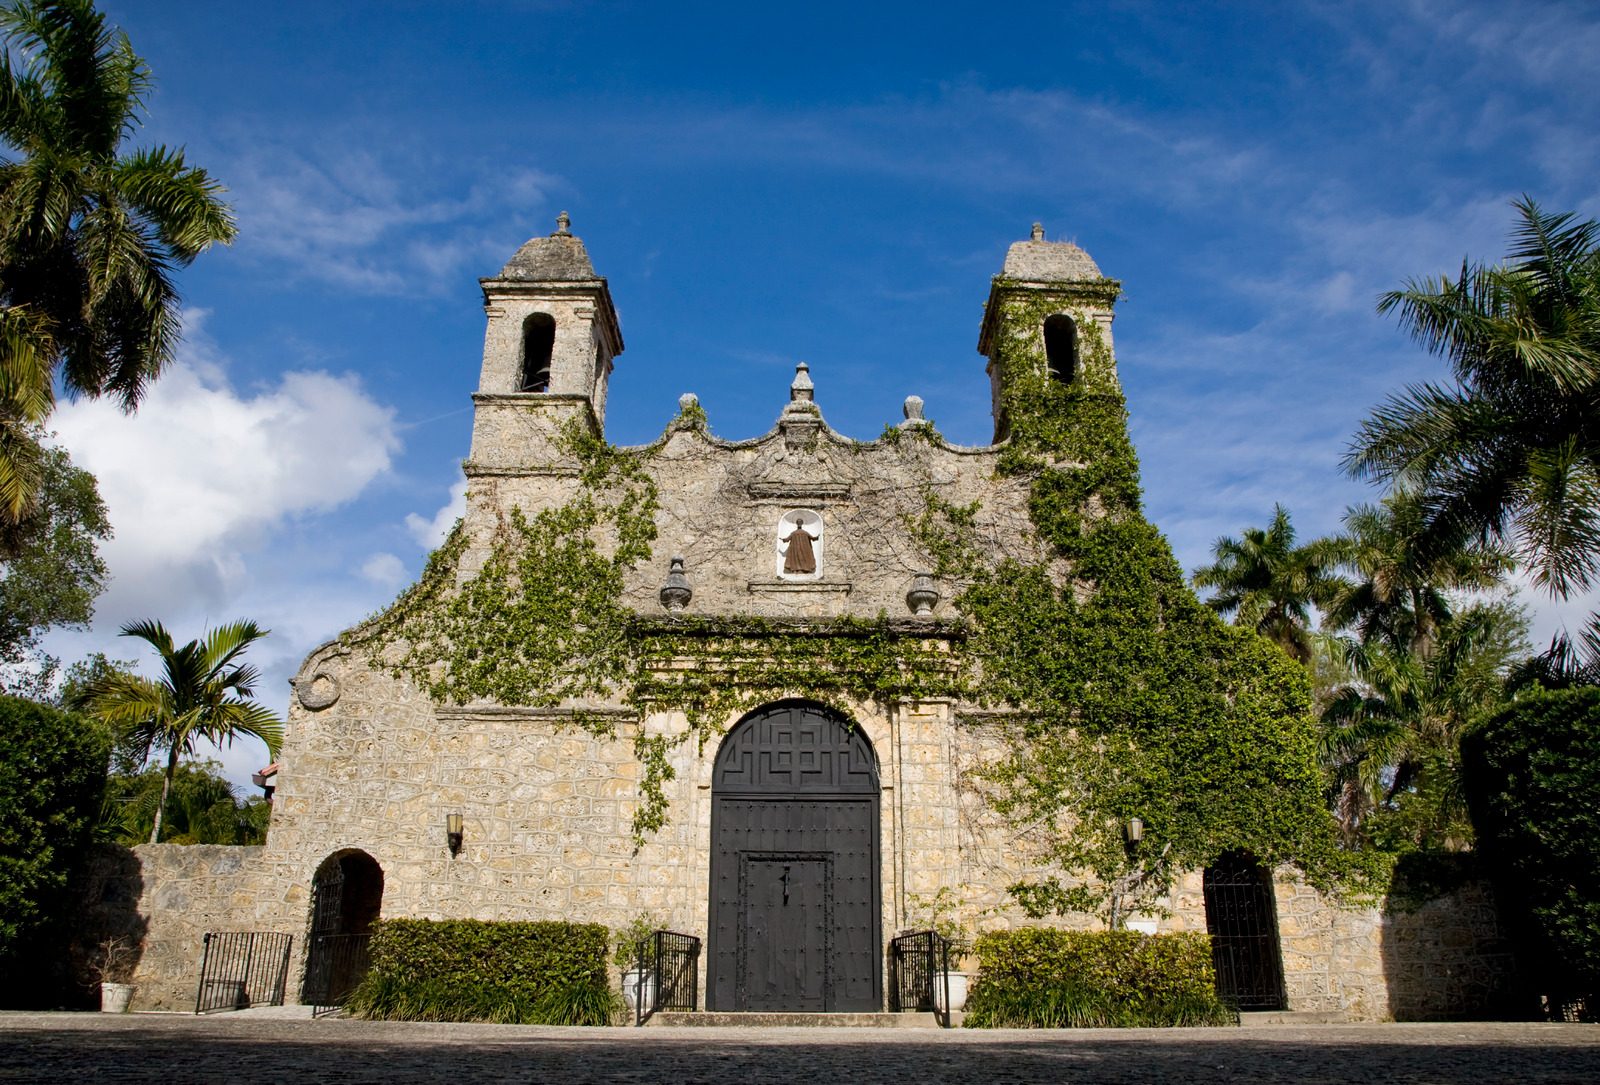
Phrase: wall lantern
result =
(452, 832)
(1135, 830)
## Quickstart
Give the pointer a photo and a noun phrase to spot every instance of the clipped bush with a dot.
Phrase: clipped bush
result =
(544, 973)
(1039, 978)
(1532, 777)
(52, 776)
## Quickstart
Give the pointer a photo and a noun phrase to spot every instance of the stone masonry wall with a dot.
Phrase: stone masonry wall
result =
(166, 897)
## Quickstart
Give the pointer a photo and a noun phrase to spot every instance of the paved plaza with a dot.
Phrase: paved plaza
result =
(263, 1049)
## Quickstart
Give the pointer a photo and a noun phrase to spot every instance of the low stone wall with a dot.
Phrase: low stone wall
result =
(1448, 958)
(165, 897)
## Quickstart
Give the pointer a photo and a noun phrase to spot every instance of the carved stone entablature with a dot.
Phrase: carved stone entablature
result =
(815, 492)
(841, 587)
(512, 713)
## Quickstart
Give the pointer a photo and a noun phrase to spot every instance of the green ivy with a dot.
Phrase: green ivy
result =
(1135, 699)
(1132, 698)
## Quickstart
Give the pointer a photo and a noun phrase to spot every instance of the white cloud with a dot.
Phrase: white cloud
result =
(430, 533)
(384, 570)
(366, 223)
(203, 472)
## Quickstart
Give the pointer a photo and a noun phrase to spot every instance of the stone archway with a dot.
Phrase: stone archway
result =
(795, 897)
(346, 899)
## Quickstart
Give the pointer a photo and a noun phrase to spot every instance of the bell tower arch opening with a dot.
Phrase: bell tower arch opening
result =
(1061, 347)
(538, 347)
(795, 897)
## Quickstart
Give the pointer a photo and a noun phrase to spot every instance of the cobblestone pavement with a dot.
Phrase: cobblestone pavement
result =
(178, 1049)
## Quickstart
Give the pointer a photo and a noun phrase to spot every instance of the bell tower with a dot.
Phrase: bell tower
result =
(1047, 329)
(548, 351)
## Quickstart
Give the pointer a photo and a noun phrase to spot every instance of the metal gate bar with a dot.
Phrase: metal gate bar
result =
(1243, 924)
(240, 969)
(918, 963)
(337, 964)
(666, 975)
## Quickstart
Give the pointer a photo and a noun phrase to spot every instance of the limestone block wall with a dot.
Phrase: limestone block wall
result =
(1447, 958)
(165, 897)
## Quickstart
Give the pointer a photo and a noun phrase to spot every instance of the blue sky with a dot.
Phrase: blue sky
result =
(764, 184)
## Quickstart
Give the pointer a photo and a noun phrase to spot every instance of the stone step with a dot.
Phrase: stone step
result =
(711, 1019)
(1257, 1018)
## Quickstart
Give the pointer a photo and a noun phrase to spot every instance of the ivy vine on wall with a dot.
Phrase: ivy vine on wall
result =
(1130, 697)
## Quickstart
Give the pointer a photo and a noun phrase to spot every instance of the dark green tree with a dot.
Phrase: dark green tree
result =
(1533, 782)
(52, 774)
(1511, 450)
(89, 233)
(1400, 576)
(1391, 733)
(204, 693)
(50, 569)
(201, 808)
(1267, 583)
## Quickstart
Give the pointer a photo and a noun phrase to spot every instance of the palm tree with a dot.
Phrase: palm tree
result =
(1391, 733)
(1268, 583)
(1402, 573)
(89, 235)
(203, 694)
(1511, 451)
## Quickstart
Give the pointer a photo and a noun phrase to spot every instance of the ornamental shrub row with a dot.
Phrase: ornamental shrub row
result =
(1039, 978)
(547, 973)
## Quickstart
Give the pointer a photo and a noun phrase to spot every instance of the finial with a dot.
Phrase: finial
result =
(676, 592)
(912, 410)
(688, 401)
(1038, 231)
(563, 225)
(802, 390)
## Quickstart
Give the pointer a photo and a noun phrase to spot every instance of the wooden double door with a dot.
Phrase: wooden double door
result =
(794, 865)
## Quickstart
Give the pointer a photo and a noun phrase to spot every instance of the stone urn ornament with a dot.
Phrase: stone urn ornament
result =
(923, 596)
(676, 592)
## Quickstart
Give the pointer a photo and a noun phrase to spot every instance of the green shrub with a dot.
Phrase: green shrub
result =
(1532, 776)
(1039, 978)
(52, 774)
(549, 973)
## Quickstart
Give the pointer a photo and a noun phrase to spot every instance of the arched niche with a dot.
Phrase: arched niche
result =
(1061, 347)
(538, 347)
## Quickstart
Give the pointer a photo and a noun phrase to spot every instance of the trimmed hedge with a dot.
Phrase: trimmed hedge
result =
(1532, 778)
(1039, 978)
(550, 973)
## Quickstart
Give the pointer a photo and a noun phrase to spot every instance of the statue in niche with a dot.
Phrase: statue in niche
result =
(799, 532)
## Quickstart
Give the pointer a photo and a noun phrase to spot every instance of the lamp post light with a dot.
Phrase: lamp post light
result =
(453, 832)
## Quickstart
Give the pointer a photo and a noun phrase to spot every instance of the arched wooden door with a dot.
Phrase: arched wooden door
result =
(794, 865)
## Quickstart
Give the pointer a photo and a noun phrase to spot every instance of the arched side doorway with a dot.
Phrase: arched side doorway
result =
(1242, 918)
(795, 915)
(346, 898)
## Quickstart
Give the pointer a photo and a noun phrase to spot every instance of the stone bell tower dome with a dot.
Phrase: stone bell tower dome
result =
(548, 349)
(1047, 326)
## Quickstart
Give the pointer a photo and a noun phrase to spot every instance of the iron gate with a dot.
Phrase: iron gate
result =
(919, 962)
(666, 975)
(240, 969)
(337, 963)
(1243, 923)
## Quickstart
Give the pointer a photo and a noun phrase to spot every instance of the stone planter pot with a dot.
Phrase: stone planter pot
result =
(958, 990)
(635, 990)
(115, 997)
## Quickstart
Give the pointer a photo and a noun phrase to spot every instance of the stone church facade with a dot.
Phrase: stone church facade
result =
(437, 776)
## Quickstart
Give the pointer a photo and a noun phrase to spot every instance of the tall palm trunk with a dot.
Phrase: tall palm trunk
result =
(166, 789)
